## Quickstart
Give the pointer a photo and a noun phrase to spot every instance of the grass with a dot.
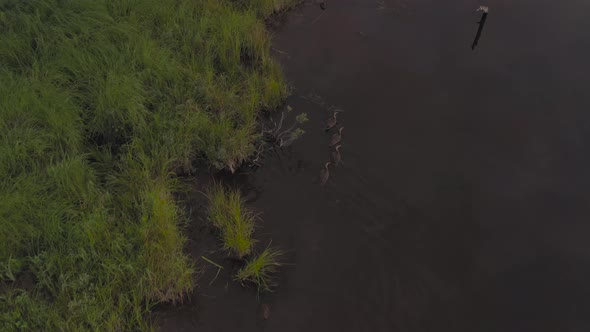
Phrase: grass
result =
(227, 212)
(102, 102)
(260, 269)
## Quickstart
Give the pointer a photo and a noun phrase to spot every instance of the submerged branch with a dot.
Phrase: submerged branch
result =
(279, 137)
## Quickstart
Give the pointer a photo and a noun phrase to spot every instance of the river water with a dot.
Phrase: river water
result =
(463, 200)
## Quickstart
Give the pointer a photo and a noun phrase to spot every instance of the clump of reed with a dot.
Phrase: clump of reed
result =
(235, 222)
(260, 270)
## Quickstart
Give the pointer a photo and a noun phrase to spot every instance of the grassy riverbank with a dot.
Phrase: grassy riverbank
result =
(102, 103)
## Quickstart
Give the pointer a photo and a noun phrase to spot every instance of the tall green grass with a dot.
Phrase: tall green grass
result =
(227, 212)
(260, 270)
(101, 102)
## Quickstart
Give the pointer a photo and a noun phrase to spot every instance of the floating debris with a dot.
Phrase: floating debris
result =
(265, 308)
(484, 9)
(482, 22)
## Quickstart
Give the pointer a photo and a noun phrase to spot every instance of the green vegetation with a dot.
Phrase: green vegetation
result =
(260, 269)
(235, 223)
(227, 212)
(282, 137)
(102, 102)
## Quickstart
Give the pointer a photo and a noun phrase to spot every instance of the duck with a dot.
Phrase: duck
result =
(336, 156)
(325, 173)
(337, 137)
(332, 121)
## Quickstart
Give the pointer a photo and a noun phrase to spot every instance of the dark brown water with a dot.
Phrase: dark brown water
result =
(463, 201)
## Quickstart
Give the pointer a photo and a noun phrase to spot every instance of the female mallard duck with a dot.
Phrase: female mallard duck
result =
(336, 156)
(337, 137)
(332, 121)
(325, 173)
